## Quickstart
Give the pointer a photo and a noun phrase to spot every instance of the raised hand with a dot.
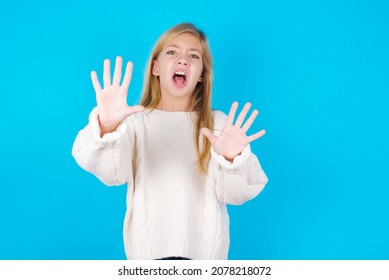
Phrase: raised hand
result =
(233, 138)
(112, 99)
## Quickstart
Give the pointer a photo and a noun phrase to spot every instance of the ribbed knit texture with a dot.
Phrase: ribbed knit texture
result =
(172, 208)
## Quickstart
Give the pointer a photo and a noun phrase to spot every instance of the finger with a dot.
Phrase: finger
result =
(117, 74)
(134, 109)
(208, 134)
(256, 136)
(231, 114)
(242, 114)
(127, 75)
(95, 82)
(250, 121)
(107, 73)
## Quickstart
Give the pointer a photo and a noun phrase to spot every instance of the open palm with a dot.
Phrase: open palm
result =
(233, 138)
(112, 99)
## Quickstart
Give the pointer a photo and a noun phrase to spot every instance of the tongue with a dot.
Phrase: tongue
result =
(179, 80)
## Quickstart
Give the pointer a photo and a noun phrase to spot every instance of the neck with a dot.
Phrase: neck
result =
(174, 104)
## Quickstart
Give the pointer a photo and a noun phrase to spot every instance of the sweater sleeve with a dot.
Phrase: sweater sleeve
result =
(240, 180)
(109, 157)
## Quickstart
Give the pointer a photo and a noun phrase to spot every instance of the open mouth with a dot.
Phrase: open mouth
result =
(179, 78)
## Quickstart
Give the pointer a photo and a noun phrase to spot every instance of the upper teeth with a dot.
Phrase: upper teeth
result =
(180, 73)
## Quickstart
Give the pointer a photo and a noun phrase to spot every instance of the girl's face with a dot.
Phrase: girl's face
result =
(179, 67)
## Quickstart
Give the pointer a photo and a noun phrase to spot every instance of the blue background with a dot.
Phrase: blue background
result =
(316, 70)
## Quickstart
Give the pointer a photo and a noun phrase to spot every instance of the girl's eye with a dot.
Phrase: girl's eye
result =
(171, 52)
(195, 56)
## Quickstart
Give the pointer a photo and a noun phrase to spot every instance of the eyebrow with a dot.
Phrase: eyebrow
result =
(176, 46)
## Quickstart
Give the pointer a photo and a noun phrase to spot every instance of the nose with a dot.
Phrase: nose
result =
(182, 61)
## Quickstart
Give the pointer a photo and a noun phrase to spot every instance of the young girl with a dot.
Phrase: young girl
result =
(179, 181)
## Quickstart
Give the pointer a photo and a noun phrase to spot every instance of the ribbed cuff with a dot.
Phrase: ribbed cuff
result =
(238, 164)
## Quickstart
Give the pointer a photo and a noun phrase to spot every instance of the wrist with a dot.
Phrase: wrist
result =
(107, 127)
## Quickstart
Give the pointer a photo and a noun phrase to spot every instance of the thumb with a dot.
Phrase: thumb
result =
(208, 134)
(134, 109)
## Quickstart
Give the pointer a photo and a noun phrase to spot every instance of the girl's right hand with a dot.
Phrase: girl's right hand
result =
(112, 99)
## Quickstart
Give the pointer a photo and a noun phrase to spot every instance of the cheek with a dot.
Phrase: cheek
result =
(199, 70)
(164, 69)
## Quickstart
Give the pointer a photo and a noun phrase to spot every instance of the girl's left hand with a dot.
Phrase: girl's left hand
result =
(233, 138)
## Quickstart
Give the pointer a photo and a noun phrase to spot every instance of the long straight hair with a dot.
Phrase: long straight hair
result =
(200, 100)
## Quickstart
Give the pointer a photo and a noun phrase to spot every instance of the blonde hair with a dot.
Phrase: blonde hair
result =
(200, 100)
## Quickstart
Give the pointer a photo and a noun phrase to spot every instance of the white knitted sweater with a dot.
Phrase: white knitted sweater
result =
(172, 208)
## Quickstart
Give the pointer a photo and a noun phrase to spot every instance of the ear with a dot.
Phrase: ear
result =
(155, 70)
(201, 79)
